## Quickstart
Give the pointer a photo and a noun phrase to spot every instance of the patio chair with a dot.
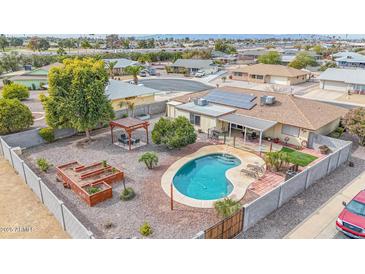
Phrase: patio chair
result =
(136, 141)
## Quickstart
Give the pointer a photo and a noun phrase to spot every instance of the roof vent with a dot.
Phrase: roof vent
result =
(200, 102)
(267, 100)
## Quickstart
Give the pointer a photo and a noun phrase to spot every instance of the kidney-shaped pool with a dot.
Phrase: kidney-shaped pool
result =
(204, 178)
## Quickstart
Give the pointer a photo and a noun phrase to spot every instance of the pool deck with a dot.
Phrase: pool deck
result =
(239, 181)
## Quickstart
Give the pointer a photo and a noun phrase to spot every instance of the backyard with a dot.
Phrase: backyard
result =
(298, 158)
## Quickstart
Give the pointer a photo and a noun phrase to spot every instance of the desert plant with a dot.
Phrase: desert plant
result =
(104, 163)
(127, 194)
(324, 149)
(47, 134)
(150, 159)
(43, 164)
(226, 207)
(15, 91)
(276, 160)
(145, 229)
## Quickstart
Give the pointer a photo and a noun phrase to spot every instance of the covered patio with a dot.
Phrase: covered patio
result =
(129, 124)
(247, 126)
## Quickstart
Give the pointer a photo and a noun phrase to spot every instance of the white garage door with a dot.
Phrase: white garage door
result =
(333, 85)
(278, 80)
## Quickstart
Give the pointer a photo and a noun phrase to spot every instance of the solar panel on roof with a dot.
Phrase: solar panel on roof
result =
(231, 99)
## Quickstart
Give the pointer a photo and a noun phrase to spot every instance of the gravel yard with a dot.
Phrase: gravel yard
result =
(282, 221)
(150, 205)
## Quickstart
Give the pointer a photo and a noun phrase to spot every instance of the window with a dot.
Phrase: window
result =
(260, 77)
(237, 73)
(195, 119)
(290, 130)
(236, 126)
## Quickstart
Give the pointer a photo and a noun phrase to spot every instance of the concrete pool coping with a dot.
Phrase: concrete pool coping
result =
(239, 181)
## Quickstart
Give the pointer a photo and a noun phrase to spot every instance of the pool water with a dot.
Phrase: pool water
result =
(204, 178)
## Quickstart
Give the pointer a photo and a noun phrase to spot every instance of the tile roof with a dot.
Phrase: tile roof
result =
(275, 70)
(288, 109)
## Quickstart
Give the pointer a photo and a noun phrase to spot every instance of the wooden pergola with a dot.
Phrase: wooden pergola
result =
(129, 124)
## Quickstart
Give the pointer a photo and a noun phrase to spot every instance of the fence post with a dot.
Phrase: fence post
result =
(11, 157)
(63, 216)
(25, 178)
(40, 189)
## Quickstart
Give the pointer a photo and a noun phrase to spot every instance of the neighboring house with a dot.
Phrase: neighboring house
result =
(289, 55)
(271, 115)
(34, 79)
(349, 59)
(251, 55)
(121, 64)
(343, 80)
(272, 74)
(191, 66)
(224, 57)
(119, 91)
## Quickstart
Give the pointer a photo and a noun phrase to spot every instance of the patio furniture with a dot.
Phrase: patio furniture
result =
(136, 141)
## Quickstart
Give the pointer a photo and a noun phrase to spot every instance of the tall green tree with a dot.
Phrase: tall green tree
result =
(11, 61)
(302, 60)
(271, 57)
(110, 66)
(354, 122)
(3, 42)
(77, 95)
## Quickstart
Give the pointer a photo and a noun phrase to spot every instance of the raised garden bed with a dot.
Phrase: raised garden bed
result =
(91, 182)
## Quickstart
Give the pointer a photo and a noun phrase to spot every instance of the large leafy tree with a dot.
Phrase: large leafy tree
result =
(3, 42)
(77, 95)
(11, 61)
(224, 46)
(354, 122)
(175, 133)
(14, 116)
(302, 60)
(272, 57)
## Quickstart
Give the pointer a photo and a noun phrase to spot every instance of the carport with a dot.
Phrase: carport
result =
(253, 123)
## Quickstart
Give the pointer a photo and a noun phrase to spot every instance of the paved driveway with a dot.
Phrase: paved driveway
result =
(174, 85)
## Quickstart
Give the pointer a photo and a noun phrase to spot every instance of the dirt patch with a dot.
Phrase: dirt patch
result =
(22, 214)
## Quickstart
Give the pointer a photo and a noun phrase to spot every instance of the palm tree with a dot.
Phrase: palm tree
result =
(130, 103)
(150, 159)
(134, 70)
(276, 160)
(226, 207)
(110, 67)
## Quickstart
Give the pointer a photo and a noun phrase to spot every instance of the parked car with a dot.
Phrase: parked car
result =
(351, 220)
(200, 74)
(143, 73)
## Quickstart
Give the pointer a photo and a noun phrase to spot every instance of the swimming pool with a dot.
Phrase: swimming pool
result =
(204, 178)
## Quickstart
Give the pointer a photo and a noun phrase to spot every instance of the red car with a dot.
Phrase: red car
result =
(351, 220)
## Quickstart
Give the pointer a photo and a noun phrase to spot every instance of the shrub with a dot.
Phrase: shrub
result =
(149, 158)
(93, 189)
(354, 121)
(14, 116)
(175, 133)
(127, 194)
(324, 149)
(43, 164)
(33, 86)
(47, 134)
(145, 229)
(104, 163)
(226, 207)
(15, 91)
(276, 160)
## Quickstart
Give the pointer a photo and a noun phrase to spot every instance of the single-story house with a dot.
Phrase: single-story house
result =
(119, 91)
(192, 66)
(224, 57)
(272, 115)
(34, 79)
(251, 55)
(272, 74)
(349, 59)
(344, 80)
(121, 64)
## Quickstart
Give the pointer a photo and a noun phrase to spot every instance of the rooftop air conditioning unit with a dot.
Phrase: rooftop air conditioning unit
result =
(201, 102)
(267, 100)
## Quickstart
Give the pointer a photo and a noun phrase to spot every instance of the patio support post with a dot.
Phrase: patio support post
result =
(129, 139)
(111, 131)
(260, 141)
(244, 139)
(230, 129)
(146, 133)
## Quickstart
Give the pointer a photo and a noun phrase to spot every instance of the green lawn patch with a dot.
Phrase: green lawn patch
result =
(297, 157)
